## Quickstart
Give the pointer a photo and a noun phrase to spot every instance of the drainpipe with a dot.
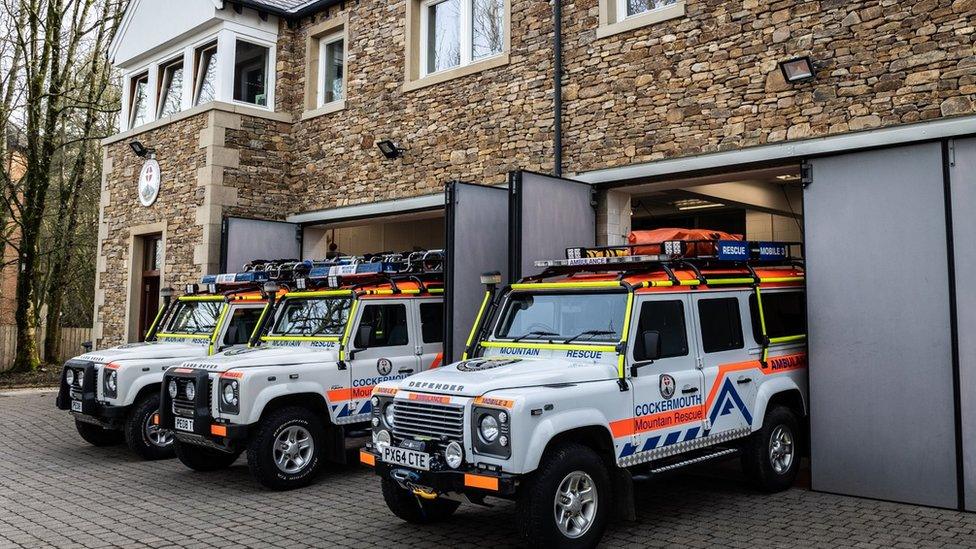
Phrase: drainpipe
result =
(557, 95)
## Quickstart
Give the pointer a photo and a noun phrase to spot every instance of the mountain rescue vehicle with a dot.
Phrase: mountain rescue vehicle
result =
(611, 365)
(113, 393)
(303, 395)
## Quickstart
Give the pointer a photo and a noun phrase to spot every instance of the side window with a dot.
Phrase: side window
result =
(721, 327)
(432, 322)
(668, 319)
(388, 323)
(785, 314)
(240, 325)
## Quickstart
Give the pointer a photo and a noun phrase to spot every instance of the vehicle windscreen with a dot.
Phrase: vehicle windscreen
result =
(312, 317)
(195, 317)
(563, 317)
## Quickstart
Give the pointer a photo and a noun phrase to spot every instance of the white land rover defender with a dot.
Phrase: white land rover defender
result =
(303, 395)
(114, 393)
(605, 367)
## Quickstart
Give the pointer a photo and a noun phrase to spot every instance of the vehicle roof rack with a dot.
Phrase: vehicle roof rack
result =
(420, 266)
(253, 275)
(693, 255)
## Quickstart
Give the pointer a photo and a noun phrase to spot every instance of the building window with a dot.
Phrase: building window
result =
(452, 38)
(618, 16)
(251, 73)
(139, 100)
(332, 69)
(459, 32)
(629, 8)
(171, 89)
(204, 90)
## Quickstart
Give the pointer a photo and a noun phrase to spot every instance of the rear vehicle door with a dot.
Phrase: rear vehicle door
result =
(668, 400)
(386, 340)
(729, 369)
(429, 316)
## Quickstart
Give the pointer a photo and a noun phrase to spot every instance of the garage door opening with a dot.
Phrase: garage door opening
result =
(395, 233)
(761, 205)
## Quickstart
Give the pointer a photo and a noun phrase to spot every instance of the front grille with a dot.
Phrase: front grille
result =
(185, 407)
(413, 419)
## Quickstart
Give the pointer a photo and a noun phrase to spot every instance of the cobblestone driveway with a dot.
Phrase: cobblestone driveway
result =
(56, 490)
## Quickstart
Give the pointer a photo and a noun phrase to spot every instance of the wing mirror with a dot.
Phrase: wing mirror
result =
(651, 340)
(363, 336)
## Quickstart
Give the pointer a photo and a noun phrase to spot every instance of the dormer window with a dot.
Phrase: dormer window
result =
(205, 82)
(171, 88)
(139, 100)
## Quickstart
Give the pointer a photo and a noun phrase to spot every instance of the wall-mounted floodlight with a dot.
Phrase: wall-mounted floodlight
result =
(390, 149)
(798, 69)
(141, 150)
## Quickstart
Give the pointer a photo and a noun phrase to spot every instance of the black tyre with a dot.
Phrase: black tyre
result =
(415, 509)
(285, 451)
(568, 501)
(203, 459)
(771, 457)
(142, 435)
(98, 436)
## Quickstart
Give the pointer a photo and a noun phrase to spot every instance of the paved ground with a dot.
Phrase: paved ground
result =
(57, 491)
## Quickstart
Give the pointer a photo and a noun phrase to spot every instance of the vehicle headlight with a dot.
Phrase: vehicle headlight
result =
(230, 393)
(382, 439)
(112, 382)
(454, 455)
(375, 401)
(173, 388)
(81, 378)
(488, 428)
(69, 376)
(388, 414)
(191, 391)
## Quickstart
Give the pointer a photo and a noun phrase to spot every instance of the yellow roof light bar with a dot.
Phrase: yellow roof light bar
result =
(320, 293)
(586, 285)
(201, 298)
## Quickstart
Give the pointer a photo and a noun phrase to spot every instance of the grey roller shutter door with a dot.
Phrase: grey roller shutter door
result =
(245, 240)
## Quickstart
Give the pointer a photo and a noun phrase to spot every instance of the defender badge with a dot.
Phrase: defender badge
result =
(384, 366)
(666, 385)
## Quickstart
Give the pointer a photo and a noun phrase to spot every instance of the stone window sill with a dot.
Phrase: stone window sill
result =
(457, 72)
(328, 108)
(637, 21)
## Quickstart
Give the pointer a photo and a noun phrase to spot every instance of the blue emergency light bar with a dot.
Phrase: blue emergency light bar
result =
(235, 278)
(722, 250)
(327, 271)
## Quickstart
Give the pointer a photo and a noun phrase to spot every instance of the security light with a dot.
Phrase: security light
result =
(390, 149)
(798, 69)
(141, 150)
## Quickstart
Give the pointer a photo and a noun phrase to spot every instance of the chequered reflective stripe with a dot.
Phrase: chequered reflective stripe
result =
(655, 441)
(666, 450)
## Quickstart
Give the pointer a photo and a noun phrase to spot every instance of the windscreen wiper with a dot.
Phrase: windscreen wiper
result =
(534, 333)
(589, 333)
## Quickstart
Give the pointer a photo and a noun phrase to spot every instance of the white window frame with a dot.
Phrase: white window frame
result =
(324, 43)
(614, 18)
(162, 68)
(131, 96)
(198, 69)
(466, 36)
(228, 70)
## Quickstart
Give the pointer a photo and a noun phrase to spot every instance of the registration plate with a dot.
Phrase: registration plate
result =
(407, 458)
(76, 406)
(184, 424)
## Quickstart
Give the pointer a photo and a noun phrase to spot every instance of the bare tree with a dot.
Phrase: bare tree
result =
(59, 83)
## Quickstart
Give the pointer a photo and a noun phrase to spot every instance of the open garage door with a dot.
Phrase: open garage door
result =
(881, 373)
(244, 240)
(548, 215)
(476, 241)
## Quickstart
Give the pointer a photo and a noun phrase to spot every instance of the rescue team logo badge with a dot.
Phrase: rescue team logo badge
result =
(149, 179)
(666, 384)
(384, 366)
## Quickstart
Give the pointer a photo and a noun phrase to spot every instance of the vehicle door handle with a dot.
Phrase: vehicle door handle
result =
(743, 380)
(405, 371)
(688, 389)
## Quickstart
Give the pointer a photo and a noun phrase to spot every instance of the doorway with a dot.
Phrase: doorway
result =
(151, 264)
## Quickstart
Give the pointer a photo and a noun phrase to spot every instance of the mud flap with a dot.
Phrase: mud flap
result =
(623, 491)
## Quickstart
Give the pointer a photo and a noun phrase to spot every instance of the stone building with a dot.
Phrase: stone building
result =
(267, 117)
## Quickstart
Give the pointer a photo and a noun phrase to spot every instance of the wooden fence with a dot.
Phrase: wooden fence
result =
(71, 340)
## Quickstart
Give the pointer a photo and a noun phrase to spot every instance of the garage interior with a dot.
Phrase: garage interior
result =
(397, 233)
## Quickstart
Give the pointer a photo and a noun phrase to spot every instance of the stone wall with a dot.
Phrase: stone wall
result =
(709, 81)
